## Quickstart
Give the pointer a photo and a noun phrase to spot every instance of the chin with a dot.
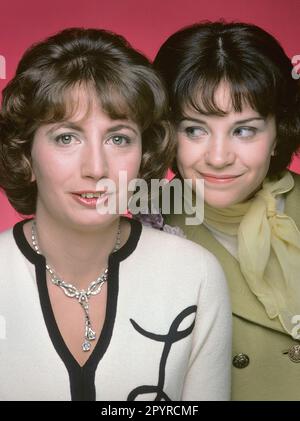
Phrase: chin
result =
(91, 222)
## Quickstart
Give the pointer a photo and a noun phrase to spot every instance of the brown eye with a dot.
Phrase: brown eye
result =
(245, 132)
(194, 132)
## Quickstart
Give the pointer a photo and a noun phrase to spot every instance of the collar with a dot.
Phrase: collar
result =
(244, 302)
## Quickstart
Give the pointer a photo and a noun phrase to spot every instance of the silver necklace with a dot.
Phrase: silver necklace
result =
(71, 291)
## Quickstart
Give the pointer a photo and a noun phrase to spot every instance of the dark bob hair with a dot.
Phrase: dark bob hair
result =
(196, 59)
(104, 63)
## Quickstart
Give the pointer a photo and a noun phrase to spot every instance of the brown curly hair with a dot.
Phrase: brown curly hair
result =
(123, 80)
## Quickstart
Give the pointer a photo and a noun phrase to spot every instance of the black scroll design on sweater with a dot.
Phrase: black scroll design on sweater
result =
(174, 335)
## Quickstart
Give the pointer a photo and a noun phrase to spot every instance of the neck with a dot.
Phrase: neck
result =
(77, 254)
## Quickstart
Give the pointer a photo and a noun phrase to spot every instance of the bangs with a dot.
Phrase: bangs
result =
(133, 96)
(123, 83)
(245, 88)
(65, 101)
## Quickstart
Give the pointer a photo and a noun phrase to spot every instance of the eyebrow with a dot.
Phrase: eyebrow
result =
(66, 125)
(73, 126)
(120, 127)
(196, 120)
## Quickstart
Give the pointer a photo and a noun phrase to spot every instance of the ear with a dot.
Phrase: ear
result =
(273, 153)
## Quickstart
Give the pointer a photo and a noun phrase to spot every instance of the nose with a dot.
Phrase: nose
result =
(94, 162)
(220, 152)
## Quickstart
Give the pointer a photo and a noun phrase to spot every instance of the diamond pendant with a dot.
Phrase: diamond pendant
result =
(90, 334)
(86, 346)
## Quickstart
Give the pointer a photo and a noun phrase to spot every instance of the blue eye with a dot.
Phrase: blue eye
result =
(245, 132)
(194, 132)
(64, 139)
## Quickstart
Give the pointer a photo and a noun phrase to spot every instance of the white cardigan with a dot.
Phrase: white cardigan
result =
(166, 336)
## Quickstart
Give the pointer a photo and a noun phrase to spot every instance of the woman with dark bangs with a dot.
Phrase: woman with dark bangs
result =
(236, 110)
(87, 309)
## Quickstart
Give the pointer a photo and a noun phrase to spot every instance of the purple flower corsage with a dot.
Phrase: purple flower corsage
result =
(156, 220)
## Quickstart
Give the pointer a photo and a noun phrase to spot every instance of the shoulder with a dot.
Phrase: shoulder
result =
(296, 178)
(7, 248)
(180, 252)
(183, 270)
(6, 239)
(173, 243)
(293, 200)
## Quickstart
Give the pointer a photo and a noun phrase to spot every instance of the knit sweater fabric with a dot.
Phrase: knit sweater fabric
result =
(166, 335)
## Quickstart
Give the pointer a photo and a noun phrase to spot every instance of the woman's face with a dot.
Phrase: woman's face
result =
(69, 159)
(231, 153)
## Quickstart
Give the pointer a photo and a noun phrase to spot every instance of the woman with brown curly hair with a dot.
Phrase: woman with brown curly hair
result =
(236, 109)
(95, 307)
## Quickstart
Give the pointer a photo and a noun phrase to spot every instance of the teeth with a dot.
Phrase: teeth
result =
(90, 195)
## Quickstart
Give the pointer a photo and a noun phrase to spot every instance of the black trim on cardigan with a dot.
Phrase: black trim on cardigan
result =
(82, 379)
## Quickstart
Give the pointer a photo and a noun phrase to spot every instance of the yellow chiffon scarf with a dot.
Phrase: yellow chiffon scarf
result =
(268, 248)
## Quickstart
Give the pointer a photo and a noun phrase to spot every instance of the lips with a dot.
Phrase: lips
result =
(90, 202)
(90, 193)
(219, 178)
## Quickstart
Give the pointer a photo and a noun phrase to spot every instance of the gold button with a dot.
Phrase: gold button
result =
(294, 353)
(240, 360)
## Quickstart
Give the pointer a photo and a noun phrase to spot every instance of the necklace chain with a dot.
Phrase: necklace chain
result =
(71, 291)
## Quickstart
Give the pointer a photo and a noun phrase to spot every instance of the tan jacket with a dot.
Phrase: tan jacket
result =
(267, 372)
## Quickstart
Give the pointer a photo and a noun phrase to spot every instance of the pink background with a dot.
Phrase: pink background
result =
(146, 24)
